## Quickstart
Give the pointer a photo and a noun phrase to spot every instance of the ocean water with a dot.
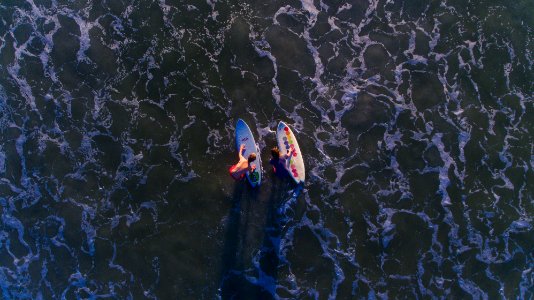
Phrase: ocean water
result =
(415, 119)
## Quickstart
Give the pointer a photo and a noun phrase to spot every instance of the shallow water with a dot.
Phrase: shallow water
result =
(117, 129)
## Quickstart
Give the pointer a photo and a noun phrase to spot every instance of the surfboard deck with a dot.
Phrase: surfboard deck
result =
(286, 141)
(243, 135)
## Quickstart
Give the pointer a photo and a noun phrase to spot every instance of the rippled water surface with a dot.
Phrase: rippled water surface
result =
(415, 119)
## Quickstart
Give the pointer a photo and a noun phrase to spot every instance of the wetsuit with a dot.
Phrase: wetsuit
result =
(236, 175)
(279, 166)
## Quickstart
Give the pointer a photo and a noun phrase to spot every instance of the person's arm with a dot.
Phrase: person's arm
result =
(241, 151)
(271, 162)
(287, 158)
(289, 154)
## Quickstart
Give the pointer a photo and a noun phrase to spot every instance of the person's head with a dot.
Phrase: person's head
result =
(275, 153)
(252, 157)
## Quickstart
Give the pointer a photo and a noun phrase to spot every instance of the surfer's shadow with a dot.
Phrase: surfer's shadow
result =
(280, 214)
(276, 200)
(235, 244)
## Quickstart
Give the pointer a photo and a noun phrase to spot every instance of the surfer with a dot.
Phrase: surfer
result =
(239, 170)
(280, 162)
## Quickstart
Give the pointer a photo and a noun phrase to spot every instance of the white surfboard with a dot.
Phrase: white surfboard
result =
(286, 141)
(243, 135)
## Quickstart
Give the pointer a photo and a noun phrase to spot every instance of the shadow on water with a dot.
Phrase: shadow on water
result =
(269, 259)
(235, 262)
(231, 244)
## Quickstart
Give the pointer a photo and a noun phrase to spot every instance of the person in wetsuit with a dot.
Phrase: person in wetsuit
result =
(280, 163)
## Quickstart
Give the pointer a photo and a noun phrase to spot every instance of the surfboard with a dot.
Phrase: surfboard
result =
(243, 135)
(287, 141)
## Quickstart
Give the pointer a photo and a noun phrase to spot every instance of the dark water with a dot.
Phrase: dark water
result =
(415, 119)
